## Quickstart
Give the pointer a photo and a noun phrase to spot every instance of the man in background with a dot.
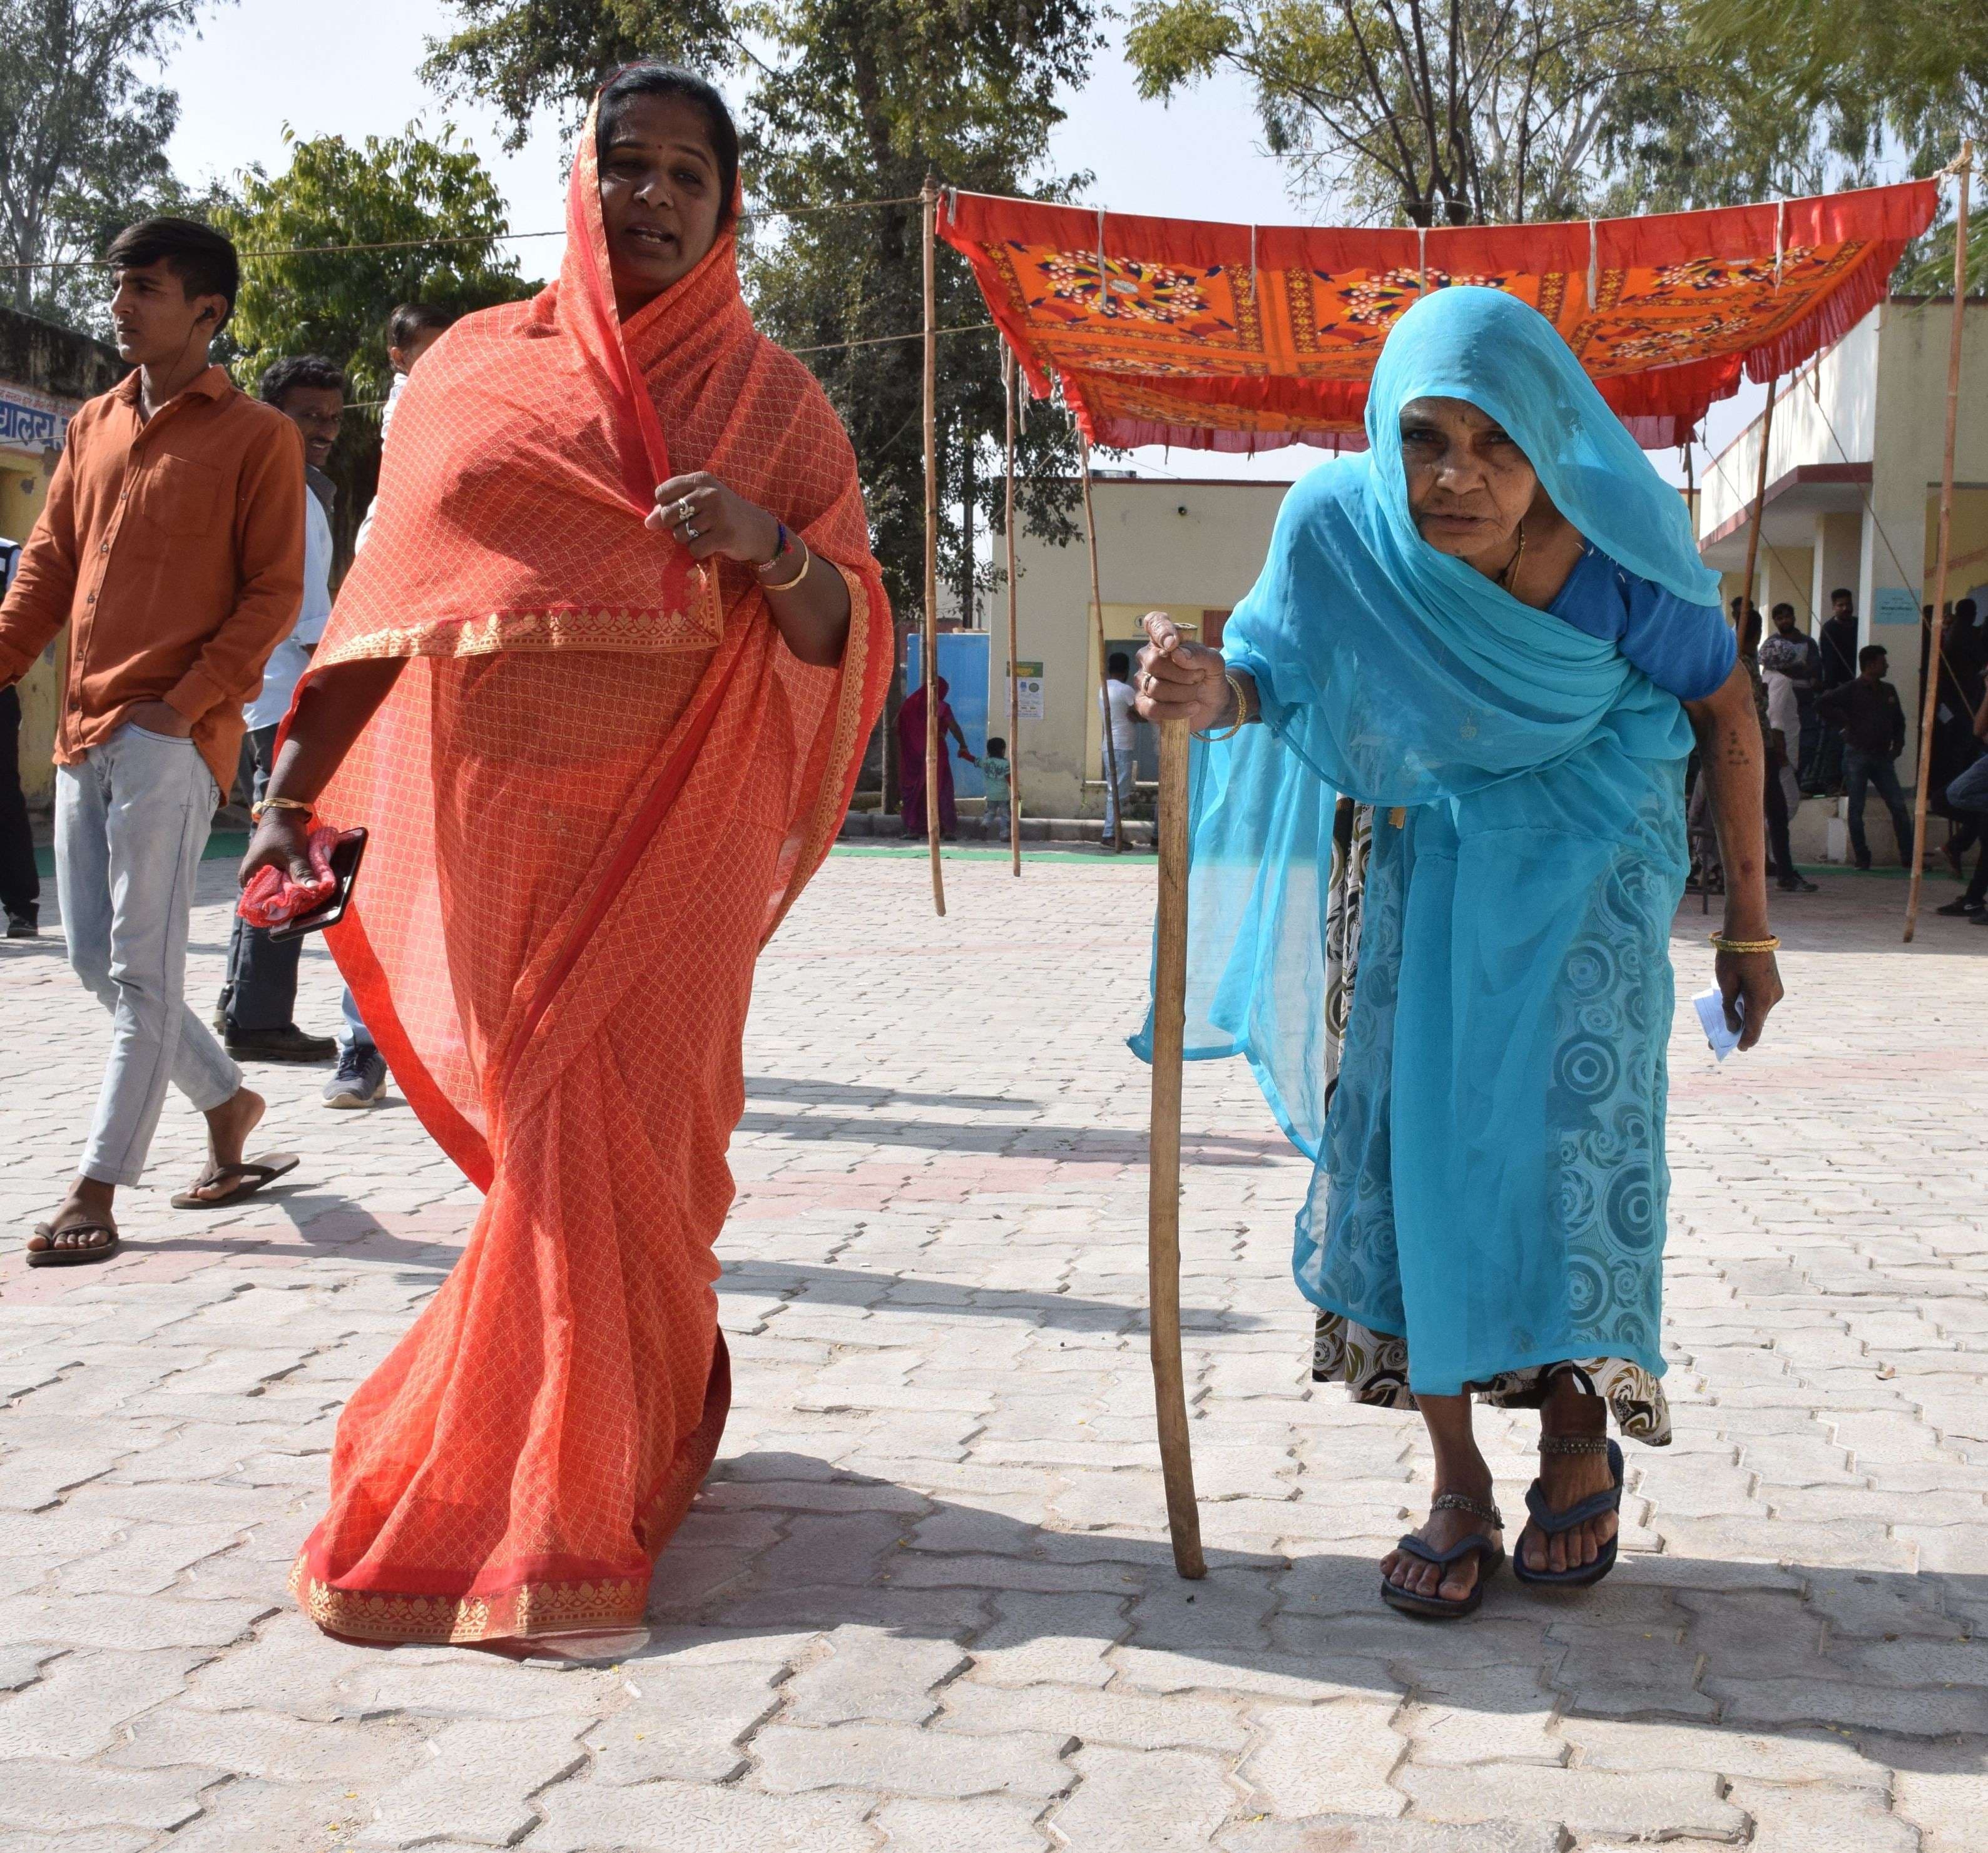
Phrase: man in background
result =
(1968, 794)
(1873, 720)
(20, 885)
(1114, 707)
(1836, 653)
(1797, 660)
(359, 1080)
(171, 614)
(258, 1001)
(411, 330)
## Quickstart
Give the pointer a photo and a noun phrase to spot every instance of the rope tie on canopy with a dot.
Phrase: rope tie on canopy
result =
(1594, 263)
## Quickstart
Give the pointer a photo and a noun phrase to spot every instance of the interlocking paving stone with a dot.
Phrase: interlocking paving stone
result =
(926, 1600)
(1150, 1801)
(697, 1817)
(475, 1783)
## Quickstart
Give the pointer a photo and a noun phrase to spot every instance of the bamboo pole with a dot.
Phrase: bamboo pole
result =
(1962, 169)
(1104, 668)
(930, 200)
(1759, 509)
(1164, 1158)
(1014, 668)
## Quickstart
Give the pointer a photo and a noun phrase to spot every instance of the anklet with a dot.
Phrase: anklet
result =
(1573, 1444)
(1477, 1508)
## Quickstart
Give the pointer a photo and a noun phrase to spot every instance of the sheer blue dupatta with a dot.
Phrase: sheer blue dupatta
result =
(1259, 869)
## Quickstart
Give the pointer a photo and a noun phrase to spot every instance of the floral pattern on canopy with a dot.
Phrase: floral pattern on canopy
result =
(1238, 337)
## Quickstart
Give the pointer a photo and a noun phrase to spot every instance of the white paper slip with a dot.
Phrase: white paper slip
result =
(1711, 1007)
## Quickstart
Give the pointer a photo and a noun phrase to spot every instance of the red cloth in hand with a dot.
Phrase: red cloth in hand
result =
(272, 898)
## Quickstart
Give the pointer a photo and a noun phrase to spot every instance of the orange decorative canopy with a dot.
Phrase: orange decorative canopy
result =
(1246, 337)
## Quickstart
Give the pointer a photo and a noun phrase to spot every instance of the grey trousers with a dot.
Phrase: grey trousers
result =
(130, 823)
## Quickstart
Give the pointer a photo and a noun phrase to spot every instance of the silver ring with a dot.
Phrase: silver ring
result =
(690, 533)
(684, 509)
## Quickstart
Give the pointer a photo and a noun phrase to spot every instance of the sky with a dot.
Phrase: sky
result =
(261, 66)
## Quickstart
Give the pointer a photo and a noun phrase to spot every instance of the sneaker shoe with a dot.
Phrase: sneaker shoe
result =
(288, 1044)
(1796, 884)
(1863, 865)
(1963, 905)
(25, 925)
(361, 1079)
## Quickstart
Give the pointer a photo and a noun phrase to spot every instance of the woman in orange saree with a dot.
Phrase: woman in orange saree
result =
(598, 687)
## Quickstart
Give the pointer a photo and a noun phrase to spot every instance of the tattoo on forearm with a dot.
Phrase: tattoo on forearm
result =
(1736, 747)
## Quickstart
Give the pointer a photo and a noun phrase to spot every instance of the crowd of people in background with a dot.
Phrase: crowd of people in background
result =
(1835, 725)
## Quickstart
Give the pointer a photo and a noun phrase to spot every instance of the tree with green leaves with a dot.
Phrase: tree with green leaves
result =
(430, 224)
(1905, 73)
(1441, 112)
(869, 99)
(83, 141)
(850, 102)
(528, 56)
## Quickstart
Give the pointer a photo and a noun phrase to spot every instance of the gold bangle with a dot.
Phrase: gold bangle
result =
(1721, 943)
(1242, 713)
(277, 803)
(807, 560)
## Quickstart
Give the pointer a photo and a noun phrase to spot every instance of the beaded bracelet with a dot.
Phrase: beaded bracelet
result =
(807, 560)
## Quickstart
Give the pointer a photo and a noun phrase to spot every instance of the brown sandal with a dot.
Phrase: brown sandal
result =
(73, 1257)
(245, 1179)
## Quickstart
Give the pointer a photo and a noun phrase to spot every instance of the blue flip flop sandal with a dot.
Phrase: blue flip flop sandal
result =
(1552, 1523)
(1490, 1561)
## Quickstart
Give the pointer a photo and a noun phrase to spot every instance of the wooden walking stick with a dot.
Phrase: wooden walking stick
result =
(1164, 1166)
(930, 199)
(1962, 167)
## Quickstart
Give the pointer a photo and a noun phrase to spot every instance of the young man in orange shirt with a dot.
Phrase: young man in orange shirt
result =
(172, 548)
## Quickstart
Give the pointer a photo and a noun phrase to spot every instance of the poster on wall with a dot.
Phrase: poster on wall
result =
(1028, 690)
(1894, 605)
(963, 666)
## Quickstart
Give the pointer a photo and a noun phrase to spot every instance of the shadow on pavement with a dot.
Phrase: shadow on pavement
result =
(782, 1544)
(882, 1293)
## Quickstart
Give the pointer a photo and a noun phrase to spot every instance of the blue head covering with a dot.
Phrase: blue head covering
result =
(1398, 672)
(1508, 360)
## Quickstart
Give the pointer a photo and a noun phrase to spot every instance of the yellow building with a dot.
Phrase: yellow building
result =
(46, 374)
(1190, 549)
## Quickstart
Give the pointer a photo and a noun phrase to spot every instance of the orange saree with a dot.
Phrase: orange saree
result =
(595, 788)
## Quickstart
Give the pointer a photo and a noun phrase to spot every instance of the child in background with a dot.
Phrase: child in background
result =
(1000, 808)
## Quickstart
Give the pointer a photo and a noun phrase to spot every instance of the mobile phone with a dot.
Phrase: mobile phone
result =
(346, 855)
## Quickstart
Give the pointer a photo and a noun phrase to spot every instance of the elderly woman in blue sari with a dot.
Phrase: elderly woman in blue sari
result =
(1480, 654)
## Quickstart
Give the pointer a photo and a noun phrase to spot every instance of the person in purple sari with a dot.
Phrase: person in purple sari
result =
(911, 763)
